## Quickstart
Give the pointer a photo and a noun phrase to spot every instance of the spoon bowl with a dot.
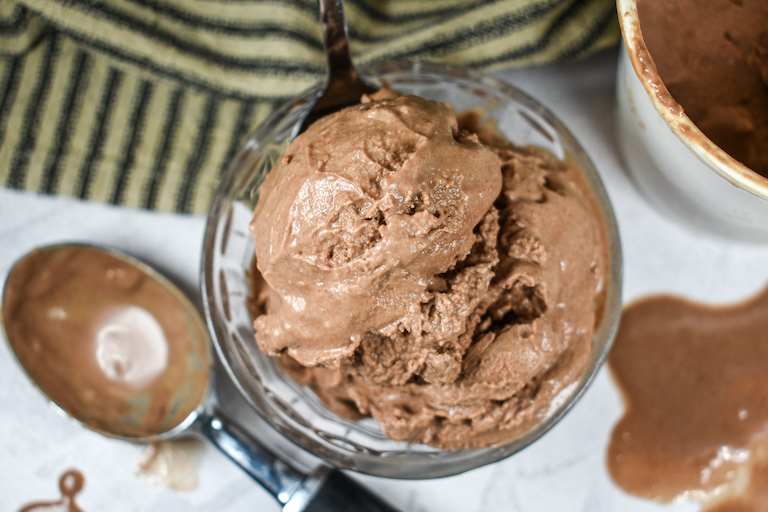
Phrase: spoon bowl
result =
(88, 348)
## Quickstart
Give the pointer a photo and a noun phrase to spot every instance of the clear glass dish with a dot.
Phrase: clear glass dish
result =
(228, 249)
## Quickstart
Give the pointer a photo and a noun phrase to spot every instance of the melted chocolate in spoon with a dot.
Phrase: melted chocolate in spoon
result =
(111, 344)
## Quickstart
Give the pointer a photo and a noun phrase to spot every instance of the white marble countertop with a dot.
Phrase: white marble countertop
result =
(564, 471)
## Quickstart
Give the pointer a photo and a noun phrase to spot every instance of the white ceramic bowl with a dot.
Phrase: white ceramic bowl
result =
(672, 162)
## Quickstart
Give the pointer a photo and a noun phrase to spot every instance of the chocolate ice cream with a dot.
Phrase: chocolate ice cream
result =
(439, 279)
(712, 55)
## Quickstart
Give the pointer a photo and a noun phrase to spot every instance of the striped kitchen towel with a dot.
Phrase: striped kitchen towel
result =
(143, 103)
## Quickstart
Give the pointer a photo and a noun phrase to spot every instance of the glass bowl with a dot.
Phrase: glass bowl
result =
(228, 250)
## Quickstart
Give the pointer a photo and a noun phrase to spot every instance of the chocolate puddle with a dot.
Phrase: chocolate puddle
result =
(695, 383)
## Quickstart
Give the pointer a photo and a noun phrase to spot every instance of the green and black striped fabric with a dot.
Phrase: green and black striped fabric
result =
(143, 103)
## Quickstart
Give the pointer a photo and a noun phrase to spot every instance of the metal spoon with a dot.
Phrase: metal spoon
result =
(344, 86)
(324, 489)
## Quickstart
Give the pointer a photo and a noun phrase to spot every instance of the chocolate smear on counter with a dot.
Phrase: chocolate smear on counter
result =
(694, 379)
(172, 463)
(70, 484)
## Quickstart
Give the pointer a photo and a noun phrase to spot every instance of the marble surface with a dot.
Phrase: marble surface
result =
(564, 471)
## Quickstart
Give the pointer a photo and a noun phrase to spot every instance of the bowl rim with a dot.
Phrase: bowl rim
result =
(606, 329)
(709, 153)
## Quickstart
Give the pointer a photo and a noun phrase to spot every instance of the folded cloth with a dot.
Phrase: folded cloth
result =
(144, 103)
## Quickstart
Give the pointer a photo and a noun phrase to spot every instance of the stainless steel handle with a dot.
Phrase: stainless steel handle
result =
(290, 486)
(335, 40)
(324, 490)
(344, 87)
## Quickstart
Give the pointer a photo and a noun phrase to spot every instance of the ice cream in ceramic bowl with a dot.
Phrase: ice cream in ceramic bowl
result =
(692, 110)
(432, 291)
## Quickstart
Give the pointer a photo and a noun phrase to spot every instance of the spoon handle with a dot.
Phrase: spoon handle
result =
(339, 493)
(344, 87)
(276, 476)
(325, 490)
(335, 40)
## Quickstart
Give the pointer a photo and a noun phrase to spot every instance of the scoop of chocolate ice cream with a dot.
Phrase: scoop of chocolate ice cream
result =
(354, 221)
(436, 277)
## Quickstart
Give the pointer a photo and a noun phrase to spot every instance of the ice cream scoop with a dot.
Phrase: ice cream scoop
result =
(357, 218)
(116, 346)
